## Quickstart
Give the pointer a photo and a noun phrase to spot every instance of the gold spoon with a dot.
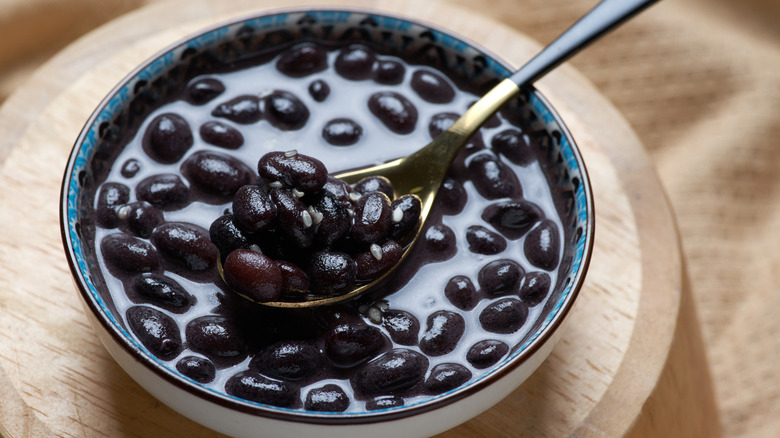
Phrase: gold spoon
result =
(422, 172)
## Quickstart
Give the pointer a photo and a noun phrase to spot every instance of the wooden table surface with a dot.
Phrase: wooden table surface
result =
(630, 362)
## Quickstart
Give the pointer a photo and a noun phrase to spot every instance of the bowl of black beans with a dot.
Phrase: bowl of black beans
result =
(202, 186)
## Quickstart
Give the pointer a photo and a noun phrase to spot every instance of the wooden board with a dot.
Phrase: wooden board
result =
(630, 361)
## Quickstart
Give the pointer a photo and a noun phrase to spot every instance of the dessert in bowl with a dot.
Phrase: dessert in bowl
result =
(155, 196)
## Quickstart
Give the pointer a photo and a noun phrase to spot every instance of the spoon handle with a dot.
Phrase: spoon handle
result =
(604, 17)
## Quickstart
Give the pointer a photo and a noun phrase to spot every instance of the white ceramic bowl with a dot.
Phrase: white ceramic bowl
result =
(140, 91)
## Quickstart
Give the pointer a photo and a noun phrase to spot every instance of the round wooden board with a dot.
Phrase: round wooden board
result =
(630, 361)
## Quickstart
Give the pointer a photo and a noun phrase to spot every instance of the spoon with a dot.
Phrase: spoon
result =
(422, 172)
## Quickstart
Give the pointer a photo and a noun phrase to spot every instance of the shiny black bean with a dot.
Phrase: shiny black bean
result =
(483, 241)
(331, 271)
(302, 60)
(197, 368)
(130, 168)
(512, 144)
(157, 331)
(396, 370)
(373, 218)
(394, 110)
(339, 189)
(389, 72)
(535, 288)
(499, 276)
(162, 291)
(452, 197)
(140, 218)
(432, 86)
(319, 90)
(222, 135)
(216, 337)
(166, 191)
(504, 316)
(215, 173)
(486, 353)
(377, 260)
(342, 132)
(294, 218)
(384, 402)
(350, 344)
(288, 359)
(328, 398)
(374, 184)
(294, 279)
(285, 111)
(225, 234)
(167, 138)
(243, 110)
(302, 172)
(186, 244)
(253, 209)
(355, 62)
(335, 221)
(253, 386)
(403, 327)
(444, 330)
(125, 253)
(406, 217)
(202, 91)
(542, 245)
(512, 219)
(110, 198)
(253, 275)
(461, 292)
(440, 242)
(492, 178)
(446, 377)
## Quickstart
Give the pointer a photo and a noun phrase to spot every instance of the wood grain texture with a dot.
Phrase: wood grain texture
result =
(630, 361)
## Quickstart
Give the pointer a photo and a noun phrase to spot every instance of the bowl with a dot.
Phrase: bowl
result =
(182, 347)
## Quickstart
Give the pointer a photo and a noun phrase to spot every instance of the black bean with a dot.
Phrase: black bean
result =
(394, 110)
(483, 241)
(461, 292)
(253, 209)
(492, 178)
(355, 62)
(396, 370)
(446, 377)
(452, 197)
(499, 276)
(294, 279)
(126, 253)
(512, 144)
(432, 87)
(403, 327)
(331, 271)
(157, 331)
(377, 260)
(197, 368)
(441, 122)
(201, 91)
(110, 198)
(406, 217)
(296, 171)
(542, 245)
(302, 60)
(328, 398)
(253, 275)
(163, 291)
(221, 134)
(339, 189)
(374, 184)
(288, 359)
(294, 218)
(186, 244)
(486, 353)
(166, 191)
(130, 168)
(389, 72)
(285, 111)
(335, 220)
(319, 90)
(215, 173)
(225, 234)
(253, 386)
(140, 218)
(216, 337)
(373, 218)
(384, 402)
(440, 242)
(535, 288)
(243, 109)
(444, 330)
(342, 132)
(350, 344)
(167, 138)
(504, 316)
(512, 219)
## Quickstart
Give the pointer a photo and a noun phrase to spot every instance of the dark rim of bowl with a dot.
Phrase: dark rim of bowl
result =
(567, 154)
